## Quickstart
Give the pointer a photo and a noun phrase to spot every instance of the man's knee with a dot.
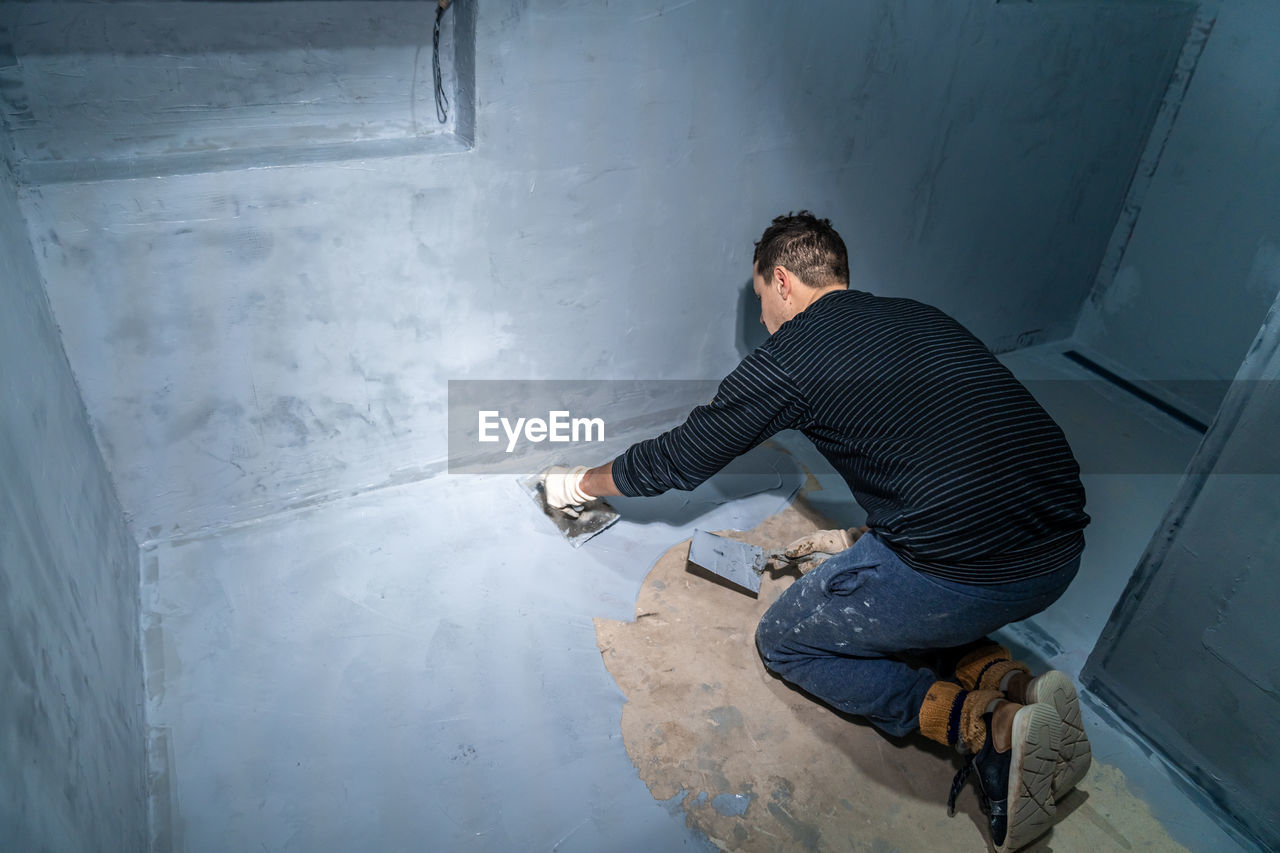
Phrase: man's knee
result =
(769, 636)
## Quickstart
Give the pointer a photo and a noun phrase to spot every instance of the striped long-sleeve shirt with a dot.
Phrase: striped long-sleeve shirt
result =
(960, 470)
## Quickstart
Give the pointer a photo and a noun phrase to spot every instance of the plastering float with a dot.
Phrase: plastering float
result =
(595, 517)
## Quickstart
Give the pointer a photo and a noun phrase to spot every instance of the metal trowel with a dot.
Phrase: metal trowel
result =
(595, 516)
(740, 563)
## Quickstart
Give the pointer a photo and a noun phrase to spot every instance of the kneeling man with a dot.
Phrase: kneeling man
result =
(975, 516)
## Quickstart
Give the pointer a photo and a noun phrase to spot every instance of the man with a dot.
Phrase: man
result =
(974, 507)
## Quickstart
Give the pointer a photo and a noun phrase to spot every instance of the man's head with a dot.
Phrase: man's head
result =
(799, 258)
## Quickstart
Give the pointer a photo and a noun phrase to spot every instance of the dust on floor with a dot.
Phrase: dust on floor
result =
(759, 766)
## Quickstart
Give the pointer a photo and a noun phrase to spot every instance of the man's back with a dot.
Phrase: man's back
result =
(960, 470)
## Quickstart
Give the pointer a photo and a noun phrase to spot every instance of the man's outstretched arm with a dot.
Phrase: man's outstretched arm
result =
(598, 482)
(755, 401)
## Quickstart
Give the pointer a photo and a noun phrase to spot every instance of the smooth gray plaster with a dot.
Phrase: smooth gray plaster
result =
(250, 341)
(387, 665)
(72, 773)
(1107, 428)
(418, 661)
(413, 668)
(112, 90)
(1190, 657)
(1203, 262)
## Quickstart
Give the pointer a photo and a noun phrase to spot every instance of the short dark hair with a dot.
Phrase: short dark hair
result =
(806, 245)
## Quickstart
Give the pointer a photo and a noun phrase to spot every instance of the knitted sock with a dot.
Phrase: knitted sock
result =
(988, 668)
(952, 716)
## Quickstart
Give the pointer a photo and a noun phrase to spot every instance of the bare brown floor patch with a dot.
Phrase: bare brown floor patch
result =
(762, 767)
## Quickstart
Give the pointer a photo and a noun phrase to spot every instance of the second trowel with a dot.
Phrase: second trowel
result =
(740, 563)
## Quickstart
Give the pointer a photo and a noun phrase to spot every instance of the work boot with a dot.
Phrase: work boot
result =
(1014, 786)
(991, 668)
(1074, 752)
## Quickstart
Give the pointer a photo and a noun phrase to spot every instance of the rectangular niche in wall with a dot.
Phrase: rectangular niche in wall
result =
(109, 90)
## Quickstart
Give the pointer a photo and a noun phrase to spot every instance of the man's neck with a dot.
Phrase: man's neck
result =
(815, 295)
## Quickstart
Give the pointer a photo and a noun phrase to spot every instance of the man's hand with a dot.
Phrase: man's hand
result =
(563, 488)
(810, 551)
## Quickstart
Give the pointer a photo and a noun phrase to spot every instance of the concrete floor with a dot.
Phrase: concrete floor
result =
(417, 667)
(762, 767)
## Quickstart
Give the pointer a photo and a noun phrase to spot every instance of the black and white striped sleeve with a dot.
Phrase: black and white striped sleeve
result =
(755, 401)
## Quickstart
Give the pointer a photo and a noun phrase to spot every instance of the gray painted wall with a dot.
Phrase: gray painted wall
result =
(71, 726)
(254, 340)
(1191, 656)
(182, 85)
(1203, 263)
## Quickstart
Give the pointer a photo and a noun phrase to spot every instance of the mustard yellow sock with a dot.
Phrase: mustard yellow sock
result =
(951, 715)
(935, 711)
(985, 668)
(976, 702)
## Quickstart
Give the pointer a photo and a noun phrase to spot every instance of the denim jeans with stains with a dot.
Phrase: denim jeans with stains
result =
(845, 631)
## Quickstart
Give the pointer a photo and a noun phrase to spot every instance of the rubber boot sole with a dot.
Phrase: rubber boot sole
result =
(1074, 753)
(1031, 806)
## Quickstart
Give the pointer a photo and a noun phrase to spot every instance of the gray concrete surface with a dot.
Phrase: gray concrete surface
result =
(344, 647)
(413, 668)
(249, 341)
(418, 664)
(72, 773)
(126, 90)
(1202, 265)
(1191, 657)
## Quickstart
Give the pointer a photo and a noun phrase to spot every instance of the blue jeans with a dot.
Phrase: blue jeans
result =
(842, 631)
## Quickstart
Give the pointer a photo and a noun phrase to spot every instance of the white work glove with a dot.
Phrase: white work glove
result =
(563, 488)
(812, 550)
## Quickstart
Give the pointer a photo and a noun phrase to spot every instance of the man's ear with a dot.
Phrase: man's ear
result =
(783, 280)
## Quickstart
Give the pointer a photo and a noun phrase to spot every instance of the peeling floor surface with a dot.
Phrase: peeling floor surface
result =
(417, 668)
(757, 766)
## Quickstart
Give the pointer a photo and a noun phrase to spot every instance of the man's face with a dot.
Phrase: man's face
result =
(773, 309)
